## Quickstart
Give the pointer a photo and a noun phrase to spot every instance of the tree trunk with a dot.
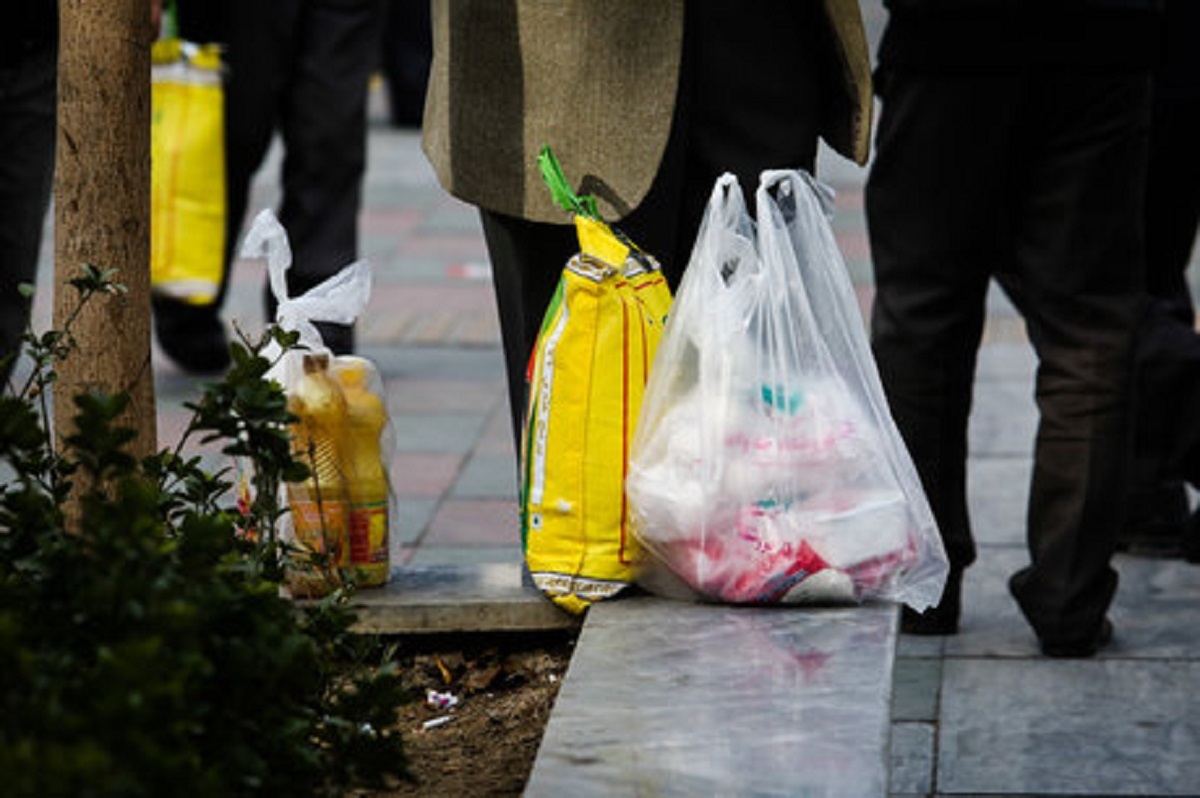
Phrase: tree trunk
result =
(102, 206)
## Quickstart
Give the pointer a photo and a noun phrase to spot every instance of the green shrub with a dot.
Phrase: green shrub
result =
(148, 652)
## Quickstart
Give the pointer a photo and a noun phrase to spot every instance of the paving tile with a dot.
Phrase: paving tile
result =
(916, 685)
(856, 252)
(389, 267)
(1001, 359)
(387, 222)
(402, 557)
(412, 521)
(440, 297)
(452, 219)
(475, 522)
(497, 436)
(424, 474)
(412, 395)
(998, 495)
(911, 771)
(916, 646)
(464, 365)
(1048, 727)
(1003, 419)
(487, 476)
(447, 244)
(429, 433)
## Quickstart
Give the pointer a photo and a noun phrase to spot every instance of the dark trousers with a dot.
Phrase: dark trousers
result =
(27, 131)
(405, 57)
(1168, 417)
(733, 114)
(1036, 181)
(299, 69)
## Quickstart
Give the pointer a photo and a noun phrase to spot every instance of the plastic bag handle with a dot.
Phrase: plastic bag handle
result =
(560, 190)
(340, 299)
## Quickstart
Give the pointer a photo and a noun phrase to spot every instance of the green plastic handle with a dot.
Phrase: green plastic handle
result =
(564, 196)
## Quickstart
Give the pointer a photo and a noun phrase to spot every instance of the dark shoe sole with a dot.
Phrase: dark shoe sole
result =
(1156, 521)
(926, 623)
(192, 336)
(1079, 649)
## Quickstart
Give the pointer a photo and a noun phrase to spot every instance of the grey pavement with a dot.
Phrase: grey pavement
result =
(980, 713)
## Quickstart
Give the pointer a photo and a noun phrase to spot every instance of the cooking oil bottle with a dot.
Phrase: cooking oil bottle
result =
(318, 505)
(367, 486)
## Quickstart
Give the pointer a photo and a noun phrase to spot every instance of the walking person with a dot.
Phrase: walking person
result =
(1159, 520)
(28, 110)
(300, 69)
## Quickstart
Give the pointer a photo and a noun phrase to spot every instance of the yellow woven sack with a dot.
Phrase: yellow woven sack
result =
(187, 151)
(587, 376)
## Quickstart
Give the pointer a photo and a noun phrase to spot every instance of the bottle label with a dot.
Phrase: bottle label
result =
(369, 533)
(321, 527)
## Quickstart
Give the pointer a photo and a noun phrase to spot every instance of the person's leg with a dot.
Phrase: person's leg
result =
(1157, 518)
(405, 57)
(261, 42)
(736, 117)
(1172, 211)
(257, 38)
(1167, 433)
(1080, 276)
(27, 130)
(324, 128)
(202, 21)
(937, 225)
(527, 259)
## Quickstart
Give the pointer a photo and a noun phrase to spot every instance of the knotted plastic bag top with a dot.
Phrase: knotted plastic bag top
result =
(340, 299)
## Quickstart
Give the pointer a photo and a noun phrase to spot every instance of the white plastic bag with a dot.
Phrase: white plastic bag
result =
(340, 299)
(766, 466)
(355, 539)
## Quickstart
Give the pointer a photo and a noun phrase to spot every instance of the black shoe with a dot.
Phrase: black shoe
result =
(1190, 545)
(1081, 648)
(940, 619)
(1156, 521)
(192, 336)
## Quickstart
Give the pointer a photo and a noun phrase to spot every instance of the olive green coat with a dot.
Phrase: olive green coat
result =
(509, 76)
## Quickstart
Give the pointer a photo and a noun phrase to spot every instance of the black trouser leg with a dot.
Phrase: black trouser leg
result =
(1079, 270)
(27, 117)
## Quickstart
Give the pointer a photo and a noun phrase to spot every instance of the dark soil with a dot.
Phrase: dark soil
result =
(479, 707)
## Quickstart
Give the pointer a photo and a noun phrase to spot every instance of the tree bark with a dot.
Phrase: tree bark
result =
(102, 206)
